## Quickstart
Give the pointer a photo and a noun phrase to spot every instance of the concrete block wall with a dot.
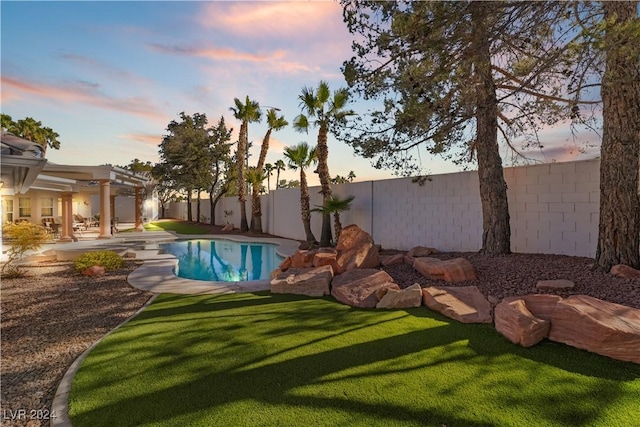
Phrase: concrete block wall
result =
(554, 209)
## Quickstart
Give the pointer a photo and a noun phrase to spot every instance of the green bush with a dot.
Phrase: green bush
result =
(107, 259)
(21, 237)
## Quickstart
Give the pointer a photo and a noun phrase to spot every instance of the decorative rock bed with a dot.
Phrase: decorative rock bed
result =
(581, 321)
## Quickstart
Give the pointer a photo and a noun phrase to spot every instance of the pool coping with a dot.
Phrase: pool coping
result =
(156, 274)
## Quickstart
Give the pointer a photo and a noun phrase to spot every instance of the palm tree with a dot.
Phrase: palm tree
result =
(255, 178)
(300, 156)
(246, 113)
(280, 166)
(324, 109)
(269, 168)
(335, 205)
(275, 123)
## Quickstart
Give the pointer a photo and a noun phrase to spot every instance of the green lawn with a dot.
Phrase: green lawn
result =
(179, 227)
(284, 360)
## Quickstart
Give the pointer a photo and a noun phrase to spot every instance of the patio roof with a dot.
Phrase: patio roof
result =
(22, 161)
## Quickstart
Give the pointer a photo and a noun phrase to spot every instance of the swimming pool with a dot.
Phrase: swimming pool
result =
(223, 260)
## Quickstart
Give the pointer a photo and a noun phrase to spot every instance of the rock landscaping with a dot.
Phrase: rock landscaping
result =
(446, 283)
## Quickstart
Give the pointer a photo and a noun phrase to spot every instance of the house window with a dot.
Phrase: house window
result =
(7, 210)
(46, 206)
(24, 208)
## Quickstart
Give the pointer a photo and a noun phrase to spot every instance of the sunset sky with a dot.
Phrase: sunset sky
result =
(110, 76)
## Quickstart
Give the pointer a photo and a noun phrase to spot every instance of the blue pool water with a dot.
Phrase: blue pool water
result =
(223, 260)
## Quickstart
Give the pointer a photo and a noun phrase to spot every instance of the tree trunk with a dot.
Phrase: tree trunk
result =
(337, 225)
(212, 209)
(256, 207)
(242, 191)
(305, 209)
(256, 210)
(189, 209)
(496, 234)
(198, 207)
(619, 224)
(325, 182)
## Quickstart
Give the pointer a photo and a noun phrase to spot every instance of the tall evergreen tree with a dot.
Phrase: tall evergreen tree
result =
(452, 77)
(619, 224)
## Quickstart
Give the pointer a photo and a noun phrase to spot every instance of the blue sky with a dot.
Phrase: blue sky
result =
(110, 76)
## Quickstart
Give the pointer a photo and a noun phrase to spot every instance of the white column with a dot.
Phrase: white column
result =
(139, 226)
(105, 209)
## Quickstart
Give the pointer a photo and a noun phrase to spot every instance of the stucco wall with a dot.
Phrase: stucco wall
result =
(553, 208)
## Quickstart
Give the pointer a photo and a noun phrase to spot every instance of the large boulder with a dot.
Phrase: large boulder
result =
(541, 306)
(358, 287)
(356, 250)
(325, 256)
(453, 270)
(518, 324)
(625, 271)
(464, 304)
(405, 298)
(302, 259)
(598, 326)
(313, 282)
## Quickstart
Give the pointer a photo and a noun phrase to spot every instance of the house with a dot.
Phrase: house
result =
(31, 188)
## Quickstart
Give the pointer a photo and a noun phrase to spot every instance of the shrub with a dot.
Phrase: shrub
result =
(21, 237)
(107, 259)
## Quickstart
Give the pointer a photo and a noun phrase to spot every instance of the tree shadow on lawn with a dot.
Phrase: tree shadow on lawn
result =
(421, 376)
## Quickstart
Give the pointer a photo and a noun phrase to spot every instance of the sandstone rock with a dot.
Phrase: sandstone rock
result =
(555, 284)
(356, 250)
(518, 325)
(409, 260)
(302, 259)
(391, 259)
(325, 257)
(96, 270)
(464, 304)
(275, 273)
(625, 271)
(453, 270)
(285, 264)
(313, 282)
(228, 227)
(598, 326)
(405, 298)
(421, 251)
(358, 287)
(541, 306)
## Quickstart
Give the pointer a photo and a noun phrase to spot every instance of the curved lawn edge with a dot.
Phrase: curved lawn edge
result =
(60, 404)
(156, 274)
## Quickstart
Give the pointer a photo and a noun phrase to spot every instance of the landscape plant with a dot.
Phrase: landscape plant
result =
(247, 112)
(110, 260)
(275, 123)
(335, 205)
(21, 237)
(301, 157)
(322, 109)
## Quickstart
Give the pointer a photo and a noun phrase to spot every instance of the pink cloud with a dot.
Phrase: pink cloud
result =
(279, 19)
(215, 53)
(81, 93)
(146, 138)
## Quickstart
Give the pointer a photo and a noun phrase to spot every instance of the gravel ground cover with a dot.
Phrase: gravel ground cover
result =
(48, 319)
(51, 316)
(517, 274)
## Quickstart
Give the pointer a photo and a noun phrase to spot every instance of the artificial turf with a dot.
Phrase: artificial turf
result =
(180, 227)
(283, 360)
